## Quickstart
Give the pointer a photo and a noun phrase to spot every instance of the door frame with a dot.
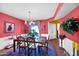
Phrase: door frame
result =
(56, 22)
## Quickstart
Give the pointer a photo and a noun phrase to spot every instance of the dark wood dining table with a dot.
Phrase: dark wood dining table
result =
(39, 42)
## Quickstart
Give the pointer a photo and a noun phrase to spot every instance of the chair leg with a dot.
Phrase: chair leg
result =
(39, 50)
(19, 49)
(35, 51)
(28, 51)
(25, 50)
(47, 50)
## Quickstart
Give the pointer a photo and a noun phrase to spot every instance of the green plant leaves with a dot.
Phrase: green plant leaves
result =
(70, 25)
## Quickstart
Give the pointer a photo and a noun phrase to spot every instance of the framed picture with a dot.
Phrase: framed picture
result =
(9, 27)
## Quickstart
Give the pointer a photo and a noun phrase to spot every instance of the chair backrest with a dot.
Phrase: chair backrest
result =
(21, 41)
(20, 38)
(31, 41)
(44, 40)
(30, 38)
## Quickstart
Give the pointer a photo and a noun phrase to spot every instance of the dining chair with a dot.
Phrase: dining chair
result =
(43, 44)
(22, 44)
(31, 45)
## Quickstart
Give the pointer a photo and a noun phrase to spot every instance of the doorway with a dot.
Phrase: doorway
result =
(52, 30)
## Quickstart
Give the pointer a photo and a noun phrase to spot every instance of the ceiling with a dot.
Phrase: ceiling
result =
(66, 8)
(37, 10)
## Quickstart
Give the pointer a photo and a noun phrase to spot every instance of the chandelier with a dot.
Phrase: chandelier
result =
(28, 18)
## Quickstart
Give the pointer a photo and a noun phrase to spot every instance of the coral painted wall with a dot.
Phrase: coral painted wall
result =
(19, 25)
(44, 26)
(27, 27)
(75, 14)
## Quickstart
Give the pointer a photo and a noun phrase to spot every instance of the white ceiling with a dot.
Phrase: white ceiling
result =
(38, 10)
(66, 8)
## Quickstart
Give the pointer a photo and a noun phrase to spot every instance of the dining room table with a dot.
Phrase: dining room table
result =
(37, 42)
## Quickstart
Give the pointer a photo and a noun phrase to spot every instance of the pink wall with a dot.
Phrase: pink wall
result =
(19, 25)
(44, 26)
(75, 14)
(27, 27)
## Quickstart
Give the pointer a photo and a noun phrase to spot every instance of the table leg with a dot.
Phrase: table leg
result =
(14, 46)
